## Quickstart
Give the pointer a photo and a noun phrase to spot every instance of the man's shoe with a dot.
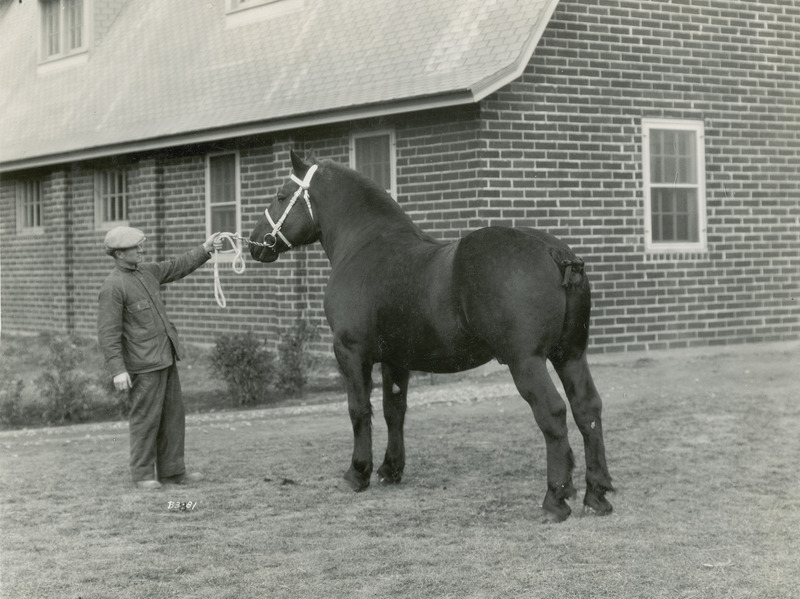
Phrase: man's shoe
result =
(150, 485)
(182, 479)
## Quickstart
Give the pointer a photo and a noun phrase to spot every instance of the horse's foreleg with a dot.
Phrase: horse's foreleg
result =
(358, 373)
(395, 390)
(586, 409)
(535, 385)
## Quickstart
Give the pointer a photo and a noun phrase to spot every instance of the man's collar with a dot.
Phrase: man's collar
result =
(126, 267)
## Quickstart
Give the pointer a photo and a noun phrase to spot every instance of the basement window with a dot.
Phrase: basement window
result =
(29, 207)
(111, 198)
(673, 166)
(373, 155)
(223, 197)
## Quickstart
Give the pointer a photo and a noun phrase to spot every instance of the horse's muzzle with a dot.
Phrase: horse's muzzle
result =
(264, 253)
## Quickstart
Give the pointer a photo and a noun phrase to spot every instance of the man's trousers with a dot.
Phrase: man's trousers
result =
(157, 425)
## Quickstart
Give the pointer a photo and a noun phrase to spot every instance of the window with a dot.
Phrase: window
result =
(674, 185)
(29, 207)
(111, 197)
(223, 206)
(373, 155)
(63, 29)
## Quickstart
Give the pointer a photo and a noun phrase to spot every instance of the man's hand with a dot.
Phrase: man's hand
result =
(214, 242)
(122, 382)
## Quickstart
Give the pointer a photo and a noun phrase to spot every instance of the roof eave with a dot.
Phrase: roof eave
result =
(473, 94)
(328, 117)
(514, 70)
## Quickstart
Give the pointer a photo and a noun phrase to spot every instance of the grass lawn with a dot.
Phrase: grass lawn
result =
(703, 447)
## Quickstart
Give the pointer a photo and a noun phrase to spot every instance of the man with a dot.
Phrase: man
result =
(140, 346)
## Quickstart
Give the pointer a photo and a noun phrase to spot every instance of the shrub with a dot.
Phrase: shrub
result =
(68, 391)
(110, 403)
(12, 409)
(246, 366)
(296, 361)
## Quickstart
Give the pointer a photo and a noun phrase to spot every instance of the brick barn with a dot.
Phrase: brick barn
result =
(659, 138)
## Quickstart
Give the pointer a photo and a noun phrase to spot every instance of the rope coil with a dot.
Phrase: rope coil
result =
(238, 265)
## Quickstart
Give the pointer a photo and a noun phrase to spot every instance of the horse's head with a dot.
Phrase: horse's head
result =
(289, 220)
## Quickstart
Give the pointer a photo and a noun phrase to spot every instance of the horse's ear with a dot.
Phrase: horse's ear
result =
(299, 165)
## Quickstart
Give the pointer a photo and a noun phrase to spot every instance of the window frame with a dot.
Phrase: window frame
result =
(697, 128)
(390, 133)
(22, 201)
(237, 203)
(101, 178)
(64, 52)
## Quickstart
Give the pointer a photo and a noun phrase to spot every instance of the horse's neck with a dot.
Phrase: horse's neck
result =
(361, 219)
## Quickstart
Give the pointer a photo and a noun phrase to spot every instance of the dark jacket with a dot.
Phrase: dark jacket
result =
(134, 332)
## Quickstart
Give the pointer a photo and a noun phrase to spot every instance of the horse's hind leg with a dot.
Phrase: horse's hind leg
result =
(395, 390)
(535, 385)
(586, 409)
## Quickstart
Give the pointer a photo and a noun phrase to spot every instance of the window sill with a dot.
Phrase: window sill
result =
(261, 12)
(108, 225)
(30, 231)
(62, 62)
(674, 255)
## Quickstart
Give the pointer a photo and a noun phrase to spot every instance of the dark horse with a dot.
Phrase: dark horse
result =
(401, 298)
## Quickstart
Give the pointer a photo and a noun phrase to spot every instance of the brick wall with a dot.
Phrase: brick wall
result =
(441, 183)
(559, 149)
(36, 267)
(564, 150)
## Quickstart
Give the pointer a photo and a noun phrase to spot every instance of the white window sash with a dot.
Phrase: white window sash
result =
(111, 198)
(236, 203)
(655, 246)
(62, 22)
(390, 134)
(30, 215)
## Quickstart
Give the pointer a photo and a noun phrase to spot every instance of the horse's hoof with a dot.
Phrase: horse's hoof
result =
(554, 517)
(555, 510)
(389, 476)
(596, 505)
(357, 481)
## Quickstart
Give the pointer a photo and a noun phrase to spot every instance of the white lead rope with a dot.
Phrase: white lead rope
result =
(238, 264)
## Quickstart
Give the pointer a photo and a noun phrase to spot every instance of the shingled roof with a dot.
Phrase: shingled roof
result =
(170, 72)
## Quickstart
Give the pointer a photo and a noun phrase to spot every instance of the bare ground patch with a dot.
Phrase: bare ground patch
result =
(702, 445)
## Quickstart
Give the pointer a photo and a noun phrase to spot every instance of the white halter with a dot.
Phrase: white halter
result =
(276, 226)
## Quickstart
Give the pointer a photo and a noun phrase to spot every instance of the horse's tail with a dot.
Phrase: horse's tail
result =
(575, 332)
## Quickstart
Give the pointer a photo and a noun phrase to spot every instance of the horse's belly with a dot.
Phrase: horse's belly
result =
(450, 364)
(429, 350)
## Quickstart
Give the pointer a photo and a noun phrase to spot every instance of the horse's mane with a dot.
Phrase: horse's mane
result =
(372, 198)
(368, 184)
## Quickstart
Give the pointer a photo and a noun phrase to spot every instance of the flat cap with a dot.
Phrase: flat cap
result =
(121, 238)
